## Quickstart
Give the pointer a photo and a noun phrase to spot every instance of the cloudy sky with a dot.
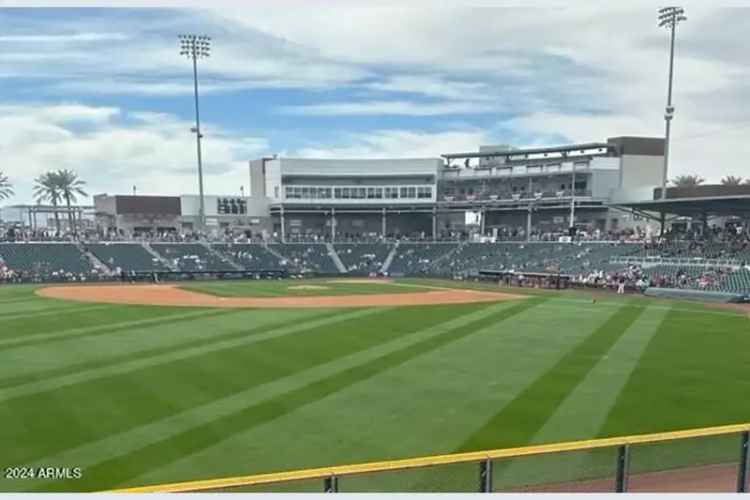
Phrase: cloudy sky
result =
(105, 93)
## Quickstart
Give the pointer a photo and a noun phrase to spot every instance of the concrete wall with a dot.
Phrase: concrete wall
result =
(639, 171)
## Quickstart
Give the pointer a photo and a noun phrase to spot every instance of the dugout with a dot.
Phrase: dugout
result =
(554, 281)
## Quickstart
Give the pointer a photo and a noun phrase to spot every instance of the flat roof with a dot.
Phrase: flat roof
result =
(530, 151)
(710, 205)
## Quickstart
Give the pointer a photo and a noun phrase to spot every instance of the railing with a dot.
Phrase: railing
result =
(614, 477)
(646, 262)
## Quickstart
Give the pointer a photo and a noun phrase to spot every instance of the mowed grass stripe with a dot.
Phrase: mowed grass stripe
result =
(520, 419)
(47, 311)
(426, 406)
(706, 376)
(131, 441)
(235, 338)
(156, 352)
(583, 413)
(25, 340)
(73, 319)
(28, 298)
(128, 397)
(160, 453)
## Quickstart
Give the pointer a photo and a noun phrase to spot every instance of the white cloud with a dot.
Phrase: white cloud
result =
(408, 108)
(397, 144)
(435, 86)
(64, 38)
(154, 151)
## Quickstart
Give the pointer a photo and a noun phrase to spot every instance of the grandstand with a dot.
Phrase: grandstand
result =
(46, 261)
(126, 257)
(601, 262)
(192, 257)
(415, 259)
(363, 258)
(251, 257)
(306, 258)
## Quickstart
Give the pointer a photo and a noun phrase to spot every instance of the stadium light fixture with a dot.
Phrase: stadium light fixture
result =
(196, 47)
(669, 17)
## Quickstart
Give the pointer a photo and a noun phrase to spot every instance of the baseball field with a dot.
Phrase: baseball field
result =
(163, 391)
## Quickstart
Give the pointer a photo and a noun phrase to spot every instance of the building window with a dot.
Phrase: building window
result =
(424, 192)
(409, 192)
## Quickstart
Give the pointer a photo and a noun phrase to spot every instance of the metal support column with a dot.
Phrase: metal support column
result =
(333, 225)
(383, 226)
(434, 223)
(621, 477)
(528, 222)
(573, 197)
(283, 226)
(742, 472)
(482, 225)
(662, 224)
(485, 476)
(331, 484)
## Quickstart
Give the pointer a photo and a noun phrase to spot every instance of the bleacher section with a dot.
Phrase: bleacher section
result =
(126, 256)
(363, 258)
(305, 257)
(685, 271)
(418, 258)
(191, 257)
(566, 258)
(46, 261)
(711, 279)
(252, 257)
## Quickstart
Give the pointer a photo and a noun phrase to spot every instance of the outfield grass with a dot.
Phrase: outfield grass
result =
(300, 288)
(138, 394)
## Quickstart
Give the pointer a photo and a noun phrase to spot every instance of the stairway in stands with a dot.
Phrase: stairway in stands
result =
(221, 256)
(389, 259)
(160, 257)
(336, 259)
(93, 259)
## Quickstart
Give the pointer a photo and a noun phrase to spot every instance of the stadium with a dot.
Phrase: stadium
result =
(500, 318)
(494, 321)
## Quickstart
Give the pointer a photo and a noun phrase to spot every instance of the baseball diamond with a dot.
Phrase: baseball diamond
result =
(408, 249)
(147, 394)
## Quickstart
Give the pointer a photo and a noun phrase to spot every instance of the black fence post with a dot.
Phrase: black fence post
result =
(485, 476)
(742, 471)
(621, 477)
(331, 484)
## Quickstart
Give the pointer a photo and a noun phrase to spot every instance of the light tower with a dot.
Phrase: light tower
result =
(197, 47)
(669, 17)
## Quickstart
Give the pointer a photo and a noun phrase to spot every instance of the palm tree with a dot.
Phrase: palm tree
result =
(6, 189)
(46, 189)
(687, 181)
(731, 180)
(70, 187)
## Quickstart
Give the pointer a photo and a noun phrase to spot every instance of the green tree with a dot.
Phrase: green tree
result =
(6, 188)
(687, 181)
(70, 187)
(46, 188)
(731, 180)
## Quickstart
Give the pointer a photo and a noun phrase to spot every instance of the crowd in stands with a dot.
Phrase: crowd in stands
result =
(717, 260)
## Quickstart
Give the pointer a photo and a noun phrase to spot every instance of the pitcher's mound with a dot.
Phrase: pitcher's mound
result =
(172, 295)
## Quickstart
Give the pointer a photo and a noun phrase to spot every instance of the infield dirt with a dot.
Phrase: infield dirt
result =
(173, 295)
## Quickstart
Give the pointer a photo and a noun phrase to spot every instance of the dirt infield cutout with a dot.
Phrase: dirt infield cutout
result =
(172, 295)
